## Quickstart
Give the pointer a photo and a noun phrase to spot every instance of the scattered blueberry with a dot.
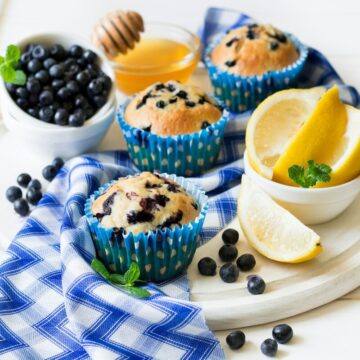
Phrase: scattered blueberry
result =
(13, 193)
(269, 347)
(228, 253)
(282, 333)
(230, 236)
(236, 339)
(256, 285)
(207, 266)
(229, 272)
(58, 162)
(33, 196)
(23, 179)
(34, 184)
(49, 172)
(246, 262)
(21, 207)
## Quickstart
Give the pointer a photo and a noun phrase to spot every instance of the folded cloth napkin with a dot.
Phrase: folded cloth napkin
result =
(53, 305)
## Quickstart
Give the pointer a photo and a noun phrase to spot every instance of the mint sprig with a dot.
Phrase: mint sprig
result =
(8, 65)
(126, 282)
(311, 176)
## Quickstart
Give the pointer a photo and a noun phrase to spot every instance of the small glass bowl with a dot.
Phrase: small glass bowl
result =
(133, 78)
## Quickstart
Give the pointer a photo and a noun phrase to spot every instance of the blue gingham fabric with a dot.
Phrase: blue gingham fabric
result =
(53, 306)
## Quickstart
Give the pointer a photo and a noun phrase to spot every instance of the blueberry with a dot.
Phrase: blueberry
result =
(46, 114)
(13, 193)
(55, 106)
(246, 262)
(236, 339)
(35, 184)
(83, 77)
(57, 52)
(89, 112)
(256, 285)
(57, 84)
(29, 47)
(22, 103)
(73, 86)
(89, 56)
(25, 57)
(80, 101)
(34, 66)
(23, 179)
(33, 196)
(190, 104)
(69, 62)
(229, 273)
(207, 266)
(33, 86)
(61, 117)
(81, 63)
(161, 104)
(274, 45)
(34, 112)
(99, 101)
(39, 52)
(282, 333)
(230, 63)
(33, 100)
(42, 76)
(107, 82)
(21, 92)
(76, 120)
(48, 63)
(76, 51)
(46, 97)
(95, 87)
(94, 68)
(269, 347)
(11, 88)
(56, 71)
(230, 236)
(58, 162)
(182, 94)
(21, 207)
(49, 172)
(64, 93)
(228, 253)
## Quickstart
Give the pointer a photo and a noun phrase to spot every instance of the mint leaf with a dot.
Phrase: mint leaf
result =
(117, 279)
(20, 78)
(7, 72)
(132, 274)
(311, 176)
(13, 54)
(100, 268)
(1, 60)
(136, 291)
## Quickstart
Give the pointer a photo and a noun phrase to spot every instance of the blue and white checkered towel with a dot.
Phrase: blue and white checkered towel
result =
(53, 306)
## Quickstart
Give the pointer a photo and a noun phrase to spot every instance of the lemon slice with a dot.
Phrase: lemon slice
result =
(321, 138)
(271, 229)
(274, 123)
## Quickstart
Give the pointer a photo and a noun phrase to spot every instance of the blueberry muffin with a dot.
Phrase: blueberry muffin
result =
(171, 109)
(254, 50)
(143, 203)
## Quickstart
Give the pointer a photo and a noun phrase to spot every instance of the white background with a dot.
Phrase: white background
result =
(330, 332)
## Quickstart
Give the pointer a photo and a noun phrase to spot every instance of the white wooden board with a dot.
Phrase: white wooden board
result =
(290, 288)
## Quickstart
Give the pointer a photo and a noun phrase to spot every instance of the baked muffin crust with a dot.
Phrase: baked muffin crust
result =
(254, 50)
(144, 203)
(172, 108)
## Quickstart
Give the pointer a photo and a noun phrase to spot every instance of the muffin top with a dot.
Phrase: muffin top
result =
(172, 108)
(254, 50)
(144, 203)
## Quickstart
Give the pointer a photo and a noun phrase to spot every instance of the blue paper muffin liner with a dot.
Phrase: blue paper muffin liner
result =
(183, 155)
(160, 254)
(243, 93)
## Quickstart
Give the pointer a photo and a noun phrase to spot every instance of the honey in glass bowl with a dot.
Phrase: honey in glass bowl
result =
(165, 52)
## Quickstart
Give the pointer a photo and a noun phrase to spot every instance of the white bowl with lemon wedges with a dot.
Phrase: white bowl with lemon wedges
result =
(303, 149)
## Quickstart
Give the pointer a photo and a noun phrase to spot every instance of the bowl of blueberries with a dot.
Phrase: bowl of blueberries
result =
(68, 101)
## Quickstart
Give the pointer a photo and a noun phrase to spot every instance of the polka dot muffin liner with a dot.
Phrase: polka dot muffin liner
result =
(183, 155)
(242, 93)
(160, 254)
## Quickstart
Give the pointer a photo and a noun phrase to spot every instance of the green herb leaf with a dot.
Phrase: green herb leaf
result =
(132, 274)
(20, 78)
(311, 176)
(7, 72)
(136, 291)
(117, 279)
(100, 268)
(13, 54)
(2, 60)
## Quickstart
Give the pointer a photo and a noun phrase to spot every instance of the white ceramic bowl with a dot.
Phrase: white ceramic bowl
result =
(53, 139)
(311, 206)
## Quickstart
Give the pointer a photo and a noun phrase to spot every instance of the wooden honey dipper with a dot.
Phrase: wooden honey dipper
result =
(117, 32)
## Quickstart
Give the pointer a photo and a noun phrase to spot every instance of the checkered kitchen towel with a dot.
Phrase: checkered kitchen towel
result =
(53, 306)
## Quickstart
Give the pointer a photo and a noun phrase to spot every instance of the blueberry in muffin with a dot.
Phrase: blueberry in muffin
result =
(144, 203)
(172, 108)
(254, 50)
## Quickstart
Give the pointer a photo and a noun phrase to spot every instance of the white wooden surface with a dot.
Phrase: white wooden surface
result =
(333, 26)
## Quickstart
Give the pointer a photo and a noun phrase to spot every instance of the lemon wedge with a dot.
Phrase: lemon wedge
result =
(274, 123)
(321, 138)
(271, 229)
